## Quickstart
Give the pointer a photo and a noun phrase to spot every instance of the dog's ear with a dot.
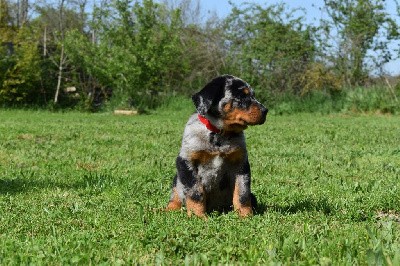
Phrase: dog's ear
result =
(210, 95)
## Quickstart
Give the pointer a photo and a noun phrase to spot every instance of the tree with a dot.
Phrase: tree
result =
(19, 60)
(361, 26)
(21, 80)
(22, 13)
(7, 29)
(269, 47)
(54, 21)
(136, 52)
(7, 32)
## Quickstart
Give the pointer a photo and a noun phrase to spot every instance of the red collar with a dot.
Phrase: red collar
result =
(208, 124)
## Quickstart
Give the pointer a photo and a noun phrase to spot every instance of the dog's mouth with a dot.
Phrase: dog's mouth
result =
(238, 126)
(242, 122)
(260, 121)
(253, 122)
(255, 115)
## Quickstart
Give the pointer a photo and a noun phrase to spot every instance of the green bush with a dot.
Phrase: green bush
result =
(376, 98)
(21, 79)
(269, 47)
(137, 54)
(361, 99)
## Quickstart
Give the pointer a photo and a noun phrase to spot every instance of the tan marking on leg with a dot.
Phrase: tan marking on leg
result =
(244, 210)
(175, 203)
(196, 207)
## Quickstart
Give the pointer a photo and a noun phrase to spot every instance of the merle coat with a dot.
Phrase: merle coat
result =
(213, 171)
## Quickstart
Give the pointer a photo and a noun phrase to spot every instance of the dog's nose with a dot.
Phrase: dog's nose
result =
(264, 111)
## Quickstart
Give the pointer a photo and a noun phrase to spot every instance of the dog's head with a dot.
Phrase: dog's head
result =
(229, 103)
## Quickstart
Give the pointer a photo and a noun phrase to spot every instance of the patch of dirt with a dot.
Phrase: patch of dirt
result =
(388, 215)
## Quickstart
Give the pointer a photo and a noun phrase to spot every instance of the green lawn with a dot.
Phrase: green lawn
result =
(89, 188)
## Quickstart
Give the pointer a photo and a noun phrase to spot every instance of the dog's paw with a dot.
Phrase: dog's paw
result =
(245, 211)
(174, 206)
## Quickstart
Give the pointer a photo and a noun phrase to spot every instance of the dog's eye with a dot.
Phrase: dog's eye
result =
(247, 97)
(235, 102)
(247, 92)
(244, 103)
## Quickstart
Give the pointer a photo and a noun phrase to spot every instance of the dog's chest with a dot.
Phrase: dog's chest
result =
(217, 158)
(214, 158)
(217, 166)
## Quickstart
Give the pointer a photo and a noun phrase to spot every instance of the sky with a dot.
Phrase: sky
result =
(314, 14)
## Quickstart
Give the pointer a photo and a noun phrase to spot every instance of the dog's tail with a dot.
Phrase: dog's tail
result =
(175, 180)
(253, 201)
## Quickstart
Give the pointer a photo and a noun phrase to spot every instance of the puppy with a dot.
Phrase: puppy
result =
(213, 171)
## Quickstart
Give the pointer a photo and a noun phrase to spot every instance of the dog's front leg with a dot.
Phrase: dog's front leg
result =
(195, 198)
(196, 201)
(242, 193)
(175, 203)
(242, 196)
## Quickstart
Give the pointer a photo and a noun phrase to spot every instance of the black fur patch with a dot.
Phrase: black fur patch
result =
(224, 183)
(175, 181)
(214, 139)
(254, 202)
(196, 195)
(246, 197)
(243, 199)
(207, 99)
(246, 168)
(186, 175)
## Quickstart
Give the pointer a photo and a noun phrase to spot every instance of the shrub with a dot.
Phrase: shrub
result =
(361, 99)
(21, 81)
(375, 98)
(318, 77)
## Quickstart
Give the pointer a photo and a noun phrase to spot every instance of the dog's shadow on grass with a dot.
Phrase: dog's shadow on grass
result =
(91, 181)
(21, 185)
(301, 205)
(298, 206)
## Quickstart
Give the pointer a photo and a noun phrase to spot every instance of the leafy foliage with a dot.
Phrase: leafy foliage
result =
(22, 76)
(362, 26)
(137, 54)
(319, 77)
(269, 47)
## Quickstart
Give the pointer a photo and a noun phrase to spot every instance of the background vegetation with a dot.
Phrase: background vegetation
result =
(126, 53)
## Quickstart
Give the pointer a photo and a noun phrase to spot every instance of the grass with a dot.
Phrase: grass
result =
(89, 188)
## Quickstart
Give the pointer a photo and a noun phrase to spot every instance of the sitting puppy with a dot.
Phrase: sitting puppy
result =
(213, 171)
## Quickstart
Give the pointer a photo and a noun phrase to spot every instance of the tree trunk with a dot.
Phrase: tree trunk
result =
(45, 41)
(60, 70)
(62, 59)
